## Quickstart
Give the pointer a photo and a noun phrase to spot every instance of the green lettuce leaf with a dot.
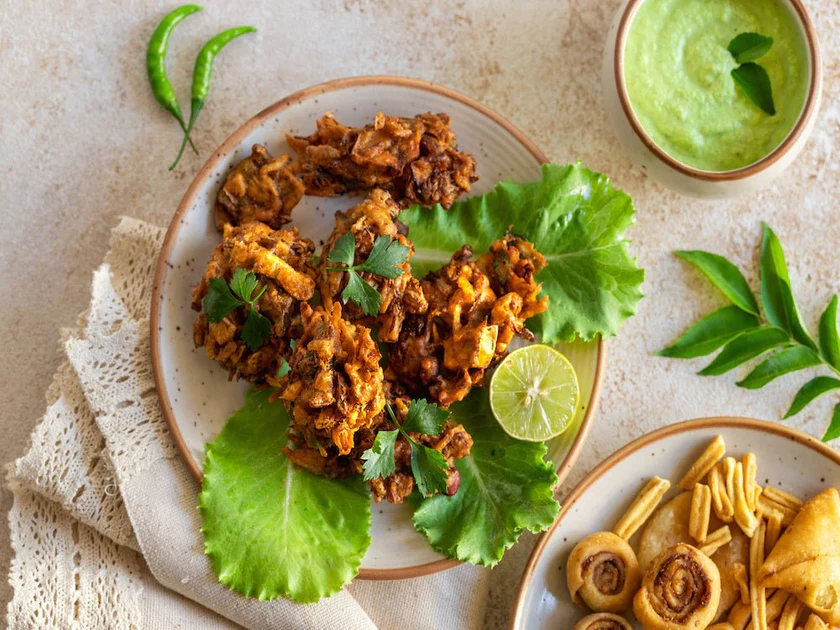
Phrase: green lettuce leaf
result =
(506, 487)
(575, 218)
(271, 528)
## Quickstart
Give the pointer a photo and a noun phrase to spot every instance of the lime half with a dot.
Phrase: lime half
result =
(534, 393)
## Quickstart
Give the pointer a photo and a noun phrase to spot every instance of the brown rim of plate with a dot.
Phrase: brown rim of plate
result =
(654, 436)
(233, 141)
(808, 109)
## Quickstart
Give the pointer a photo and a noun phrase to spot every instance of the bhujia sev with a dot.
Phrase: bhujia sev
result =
(716, 540)
(642, 507)
(739, 576)
(701, 512)
(719, 493)
(758, 595)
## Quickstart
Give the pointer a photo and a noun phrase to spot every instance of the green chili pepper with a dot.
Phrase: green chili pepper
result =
(202, 72)
(156, 64)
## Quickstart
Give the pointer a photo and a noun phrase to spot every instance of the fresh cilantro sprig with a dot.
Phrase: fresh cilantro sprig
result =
(384, 260)
(745, 334)
(751, 77)
(221, 299)
(428, 466)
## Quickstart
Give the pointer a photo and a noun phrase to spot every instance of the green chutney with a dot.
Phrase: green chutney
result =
(678, 75)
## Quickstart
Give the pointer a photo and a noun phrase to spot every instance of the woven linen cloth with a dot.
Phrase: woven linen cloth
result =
(104, 526)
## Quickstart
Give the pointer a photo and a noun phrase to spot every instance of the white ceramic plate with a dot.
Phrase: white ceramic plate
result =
(195, 393)
(787, 458)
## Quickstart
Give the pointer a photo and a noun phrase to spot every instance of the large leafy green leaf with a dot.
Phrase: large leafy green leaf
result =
(271, 528)
(781, 363)
(711, 332)
(575, 218)
(745, 347)
(776, 294)
(725, 276)
(810, 391)
(506, 487)
(829, 341)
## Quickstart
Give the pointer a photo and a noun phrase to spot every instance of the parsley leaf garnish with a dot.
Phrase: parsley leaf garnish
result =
(221, 299)
(379, 458)
(425, 417)
(429, 467)
(284, 369)
(384, 260)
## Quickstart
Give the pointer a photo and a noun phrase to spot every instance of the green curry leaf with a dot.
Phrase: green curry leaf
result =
(270, 528)
(749, 46)
(755, 83)
(575, 218)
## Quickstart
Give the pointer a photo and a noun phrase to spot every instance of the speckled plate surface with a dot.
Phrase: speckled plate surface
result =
(195, 393)
(787, 458)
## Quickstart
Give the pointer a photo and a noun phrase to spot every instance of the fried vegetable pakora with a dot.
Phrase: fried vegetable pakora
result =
(475, 309)
(453, 443)
(280, 260)
(415, 159)
(374, 217)
(259, 188)
(334, 386)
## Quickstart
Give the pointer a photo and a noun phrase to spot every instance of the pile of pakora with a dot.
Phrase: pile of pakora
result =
(345, 372)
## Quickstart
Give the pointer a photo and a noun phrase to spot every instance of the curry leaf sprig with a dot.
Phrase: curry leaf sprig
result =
(221, 299)
(428, 465)
(751, 77)
(778, 337)
(384, 260)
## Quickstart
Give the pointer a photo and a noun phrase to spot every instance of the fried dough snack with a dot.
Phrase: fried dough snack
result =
(475, 309)
(280, 260)
(415, 159)
(453, 443)
(603, 573)
(603, 621)
(334, 386)
(806, 560)
(372, 218)
(259, 188)
(681, 589)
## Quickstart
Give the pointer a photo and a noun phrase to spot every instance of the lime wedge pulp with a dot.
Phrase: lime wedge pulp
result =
(534, 393)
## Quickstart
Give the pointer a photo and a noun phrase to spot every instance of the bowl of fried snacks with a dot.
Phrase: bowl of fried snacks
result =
(719, 523)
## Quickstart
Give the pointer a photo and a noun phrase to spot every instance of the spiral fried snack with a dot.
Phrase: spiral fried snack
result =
(681, 589)
(603, 621)
(603, 573)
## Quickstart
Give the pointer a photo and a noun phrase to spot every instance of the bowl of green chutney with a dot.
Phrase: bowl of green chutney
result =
(713, 98)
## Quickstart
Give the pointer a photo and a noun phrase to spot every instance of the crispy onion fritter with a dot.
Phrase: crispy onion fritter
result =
(475, 309)
(280, 260)
(334, 386)
(415, 159)
(259, 188)
(374, 217)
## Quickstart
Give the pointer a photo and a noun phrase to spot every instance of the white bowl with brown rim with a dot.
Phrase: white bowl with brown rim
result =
(195, 393)
(677, 175)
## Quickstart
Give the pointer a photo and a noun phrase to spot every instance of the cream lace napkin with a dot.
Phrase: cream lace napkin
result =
(104, 525)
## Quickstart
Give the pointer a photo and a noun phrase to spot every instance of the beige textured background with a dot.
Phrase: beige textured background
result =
(82, 141)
